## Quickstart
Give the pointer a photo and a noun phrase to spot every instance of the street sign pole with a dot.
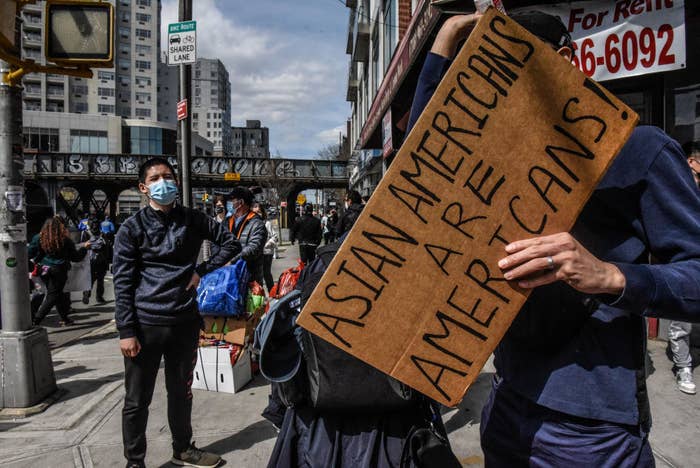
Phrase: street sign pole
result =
(185, 14)
(26, 370)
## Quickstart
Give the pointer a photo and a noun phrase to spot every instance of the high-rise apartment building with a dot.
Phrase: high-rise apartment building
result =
(211, 104)
(128, 90)
(251, 141)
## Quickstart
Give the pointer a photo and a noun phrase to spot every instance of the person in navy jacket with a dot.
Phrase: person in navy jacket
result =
(570, 384)
(155, 289)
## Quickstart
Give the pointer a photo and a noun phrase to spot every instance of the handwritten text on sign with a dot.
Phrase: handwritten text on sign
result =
(625, 37)
(510, 146)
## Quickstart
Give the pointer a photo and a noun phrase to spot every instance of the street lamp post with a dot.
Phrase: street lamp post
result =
(26, 370)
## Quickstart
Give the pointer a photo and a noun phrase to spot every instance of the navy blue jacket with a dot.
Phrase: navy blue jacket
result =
(584, 355)
(154, 260)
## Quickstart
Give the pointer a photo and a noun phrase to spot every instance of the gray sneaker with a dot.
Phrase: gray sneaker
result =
(195, 457)
(684, 380)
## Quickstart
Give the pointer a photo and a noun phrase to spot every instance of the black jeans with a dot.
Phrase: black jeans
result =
(307, 253)
(98, 273)
(178, 346)
(267, 271)
(55, 280)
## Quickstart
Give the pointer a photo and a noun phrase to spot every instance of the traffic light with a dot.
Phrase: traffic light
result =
(79, 32)
(205, 197)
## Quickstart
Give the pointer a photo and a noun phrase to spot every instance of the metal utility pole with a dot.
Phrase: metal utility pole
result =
(185, 14)
(26, 370)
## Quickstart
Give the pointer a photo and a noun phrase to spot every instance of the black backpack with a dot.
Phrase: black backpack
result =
(329, 377)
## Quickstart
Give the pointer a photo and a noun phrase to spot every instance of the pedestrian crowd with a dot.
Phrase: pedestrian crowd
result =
(569, 387)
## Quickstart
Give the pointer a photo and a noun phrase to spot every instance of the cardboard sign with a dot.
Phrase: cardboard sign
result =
(510, 147)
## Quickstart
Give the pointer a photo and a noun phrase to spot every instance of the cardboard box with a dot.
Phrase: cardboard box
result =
(510, 147)
(215, 373)
(231, 330)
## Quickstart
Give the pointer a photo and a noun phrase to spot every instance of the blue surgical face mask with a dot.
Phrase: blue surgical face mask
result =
(163, 192)
(229, 208)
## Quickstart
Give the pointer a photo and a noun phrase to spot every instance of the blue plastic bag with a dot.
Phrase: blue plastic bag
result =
(223, 291)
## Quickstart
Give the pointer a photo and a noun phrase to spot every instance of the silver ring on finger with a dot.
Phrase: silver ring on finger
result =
(550, 263)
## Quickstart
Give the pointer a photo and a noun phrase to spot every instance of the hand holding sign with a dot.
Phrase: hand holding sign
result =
(560, 257)
(455, 29)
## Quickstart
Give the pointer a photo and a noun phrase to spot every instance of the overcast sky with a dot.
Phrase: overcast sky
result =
(286, 62)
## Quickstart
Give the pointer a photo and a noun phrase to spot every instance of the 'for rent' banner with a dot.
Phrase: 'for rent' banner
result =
(626, 37)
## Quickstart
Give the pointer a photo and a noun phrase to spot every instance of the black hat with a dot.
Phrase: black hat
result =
(242, 193)
(549, 28)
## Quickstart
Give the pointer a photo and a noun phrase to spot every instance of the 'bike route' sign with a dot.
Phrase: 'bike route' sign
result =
(182, 42)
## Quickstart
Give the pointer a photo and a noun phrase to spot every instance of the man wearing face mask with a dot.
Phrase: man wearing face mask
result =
(249, 228)
(155, 285)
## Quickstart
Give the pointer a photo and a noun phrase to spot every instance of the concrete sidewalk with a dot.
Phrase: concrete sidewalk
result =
(83, 428)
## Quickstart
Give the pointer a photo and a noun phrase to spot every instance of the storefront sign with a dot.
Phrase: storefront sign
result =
(387, 140)
(626, 37)
(510, 146)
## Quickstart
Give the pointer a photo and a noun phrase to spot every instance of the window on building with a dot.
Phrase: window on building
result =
(32, 88)
(143, 2)
(125, 2)
(32, 105)
(124, 32)
(143, 49)
(197, 101)
(197, 91)
(214, 92)
(105, 108)
(78, 89)
(143, 65)
(40, 139)
(106, 92)
(143, 33)
(88, 141)
(391, 31)
(124, 64)
(124, 80)
(105, 75)
(142, 81)
(80, 107)
(143, 112)
(32, 36)
(146, 140)
(125, 16)
(375, 61)
(55, 89)
(143, 98)
(143, 17)
(31, 52)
